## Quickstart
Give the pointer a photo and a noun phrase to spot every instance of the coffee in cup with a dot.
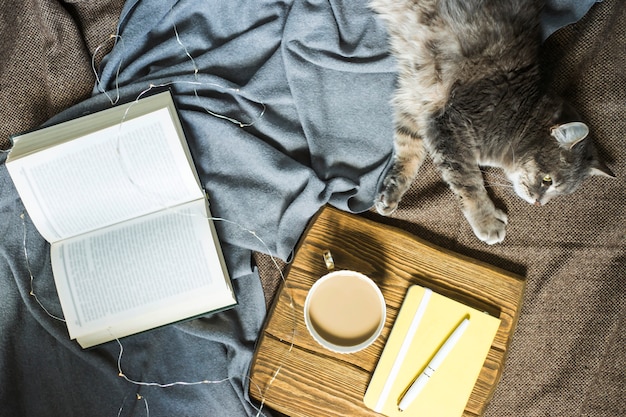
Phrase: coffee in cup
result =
(345, 311)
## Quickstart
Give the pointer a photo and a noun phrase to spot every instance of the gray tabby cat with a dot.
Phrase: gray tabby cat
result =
(470, 94)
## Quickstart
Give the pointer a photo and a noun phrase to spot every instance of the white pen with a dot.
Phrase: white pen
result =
(416, 387)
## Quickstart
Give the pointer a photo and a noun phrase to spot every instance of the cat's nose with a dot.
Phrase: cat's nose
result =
(537, 203)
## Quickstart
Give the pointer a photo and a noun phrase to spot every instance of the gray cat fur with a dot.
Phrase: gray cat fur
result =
(470, 94)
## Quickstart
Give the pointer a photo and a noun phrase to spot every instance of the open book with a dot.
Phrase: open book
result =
(116, 194)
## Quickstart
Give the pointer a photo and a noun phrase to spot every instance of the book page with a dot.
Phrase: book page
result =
(117, 173)
(144, 266)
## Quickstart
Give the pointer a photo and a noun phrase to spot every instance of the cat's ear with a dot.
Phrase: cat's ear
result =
(569, 134)
(600, 168)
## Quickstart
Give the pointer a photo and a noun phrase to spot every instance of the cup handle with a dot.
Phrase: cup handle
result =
(328, 260)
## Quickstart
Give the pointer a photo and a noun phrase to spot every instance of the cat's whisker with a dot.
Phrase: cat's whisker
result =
(494, 173)
(491, 176)
(502, 180)
(497, 184)
(512, 147)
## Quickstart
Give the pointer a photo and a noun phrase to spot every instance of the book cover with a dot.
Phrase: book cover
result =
(425, 321)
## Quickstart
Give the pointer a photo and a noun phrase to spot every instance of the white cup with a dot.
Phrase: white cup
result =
(345, 311)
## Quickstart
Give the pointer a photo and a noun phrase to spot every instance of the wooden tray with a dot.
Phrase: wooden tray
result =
(294, 375)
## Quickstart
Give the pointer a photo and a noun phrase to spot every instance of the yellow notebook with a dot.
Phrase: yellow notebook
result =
(425, 321)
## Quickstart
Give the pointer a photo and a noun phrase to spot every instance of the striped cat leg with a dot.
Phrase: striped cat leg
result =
(409, 154)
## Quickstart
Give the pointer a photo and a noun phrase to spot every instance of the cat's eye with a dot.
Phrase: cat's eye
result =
(546, 181)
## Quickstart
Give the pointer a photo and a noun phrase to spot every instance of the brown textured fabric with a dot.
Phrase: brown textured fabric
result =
(567, 357)
(45, 65)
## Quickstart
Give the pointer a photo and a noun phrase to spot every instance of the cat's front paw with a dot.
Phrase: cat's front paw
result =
(387, 200)
(384, 206)
(491, 227)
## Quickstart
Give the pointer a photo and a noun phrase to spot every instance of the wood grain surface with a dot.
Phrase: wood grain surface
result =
(296, 376)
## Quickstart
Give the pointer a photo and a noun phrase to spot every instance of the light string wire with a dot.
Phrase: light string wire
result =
(114, 100)
(96, 73)
(157, 384)
(139, 398)
(32, 292)
(196, 71)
